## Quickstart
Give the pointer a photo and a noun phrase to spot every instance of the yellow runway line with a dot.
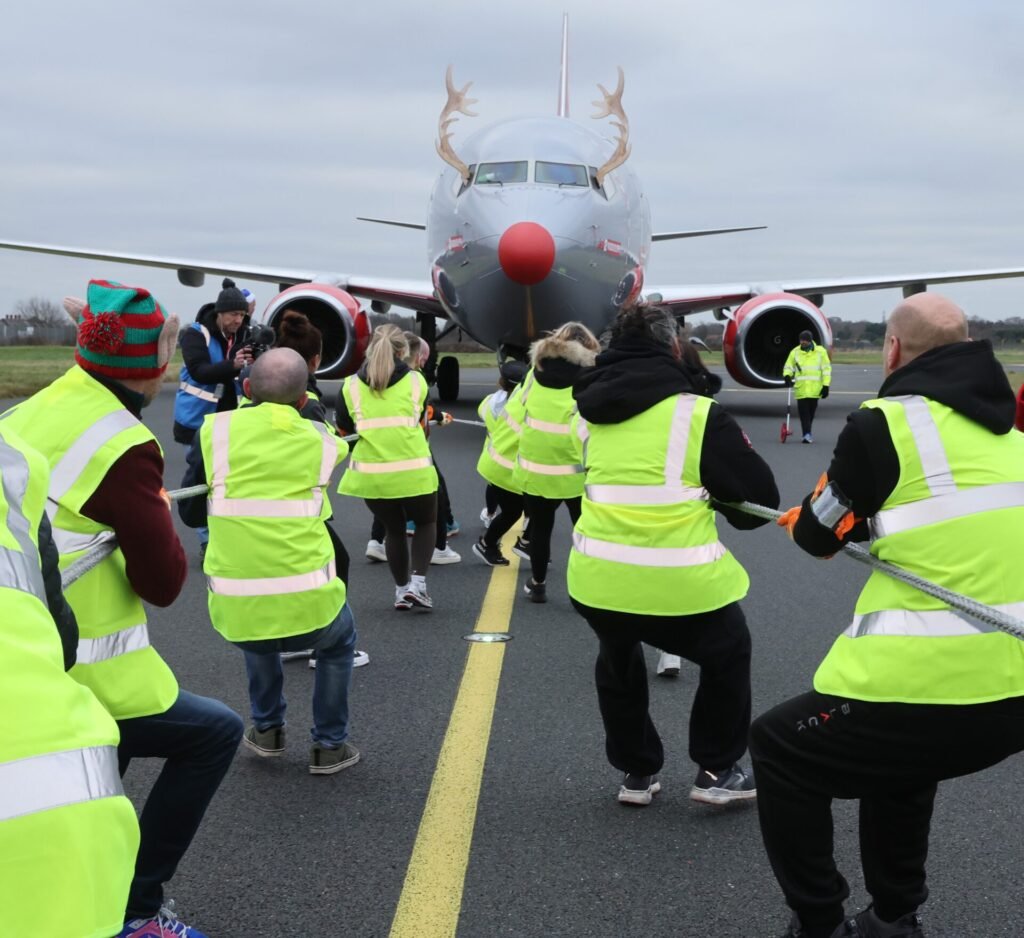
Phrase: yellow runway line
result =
(432, 894)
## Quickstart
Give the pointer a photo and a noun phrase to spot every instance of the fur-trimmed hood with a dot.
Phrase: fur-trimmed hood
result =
(556, 362)
(554, 347)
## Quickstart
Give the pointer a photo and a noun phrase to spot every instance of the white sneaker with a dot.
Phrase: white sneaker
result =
(402, 602)
(416, 596)
(290, 655)
(361, 659)
(669, 665)
(441, 557)
(375, 551)
(486, 517)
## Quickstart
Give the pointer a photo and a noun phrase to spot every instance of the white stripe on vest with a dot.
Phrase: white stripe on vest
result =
(928, 623)
(67, 471)
(647, 556)
(58, 779)
(272, 585)
(95, 650)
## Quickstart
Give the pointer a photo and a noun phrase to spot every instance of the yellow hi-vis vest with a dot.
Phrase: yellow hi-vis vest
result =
(810, 371)
(68, 836)
(497, 460)
(546, 462)
(956, 517)
(270, 561)
(646, 541)
(83, 429)
(393, 458)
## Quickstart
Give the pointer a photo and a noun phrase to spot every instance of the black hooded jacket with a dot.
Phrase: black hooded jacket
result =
(964, 376)
(634, 376)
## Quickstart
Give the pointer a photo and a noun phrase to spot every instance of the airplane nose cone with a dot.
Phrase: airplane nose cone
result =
(526, 252)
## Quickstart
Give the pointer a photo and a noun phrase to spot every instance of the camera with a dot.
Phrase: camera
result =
(257, 339)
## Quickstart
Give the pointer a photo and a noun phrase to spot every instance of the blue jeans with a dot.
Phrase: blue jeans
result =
(198, 738)
(334, 646)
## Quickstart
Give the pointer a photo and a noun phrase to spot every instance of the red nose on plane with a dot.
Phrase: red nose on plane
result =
(526, 252)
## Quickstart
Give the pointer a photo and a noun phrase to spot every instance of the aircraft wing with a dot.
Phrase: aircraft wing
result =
(412, 294)
(693, 298)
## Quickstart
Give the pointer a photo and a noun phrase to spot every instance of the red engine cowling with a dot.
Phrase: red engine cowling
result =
(764, 330)
(338, 316)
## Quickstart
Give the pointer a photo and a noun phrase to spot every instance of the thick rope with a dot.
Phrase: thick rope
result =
(994, 617)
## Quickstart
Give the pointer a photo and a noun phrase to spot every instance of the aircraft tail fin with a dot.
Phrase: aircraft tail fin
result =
(563, 77)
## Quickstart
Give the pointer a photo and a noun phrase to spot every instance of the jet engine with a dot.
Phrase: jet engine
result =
(338, 316)
(762, 333)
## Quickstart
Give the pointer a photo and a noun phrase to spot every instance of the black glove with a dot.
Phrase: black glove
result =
(789, 381)
(824, 392)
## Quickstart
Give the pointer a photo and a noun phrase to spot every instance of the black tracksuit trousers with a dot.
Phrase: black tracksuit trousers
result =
(717, 641)
(891, 756)
(806, 407)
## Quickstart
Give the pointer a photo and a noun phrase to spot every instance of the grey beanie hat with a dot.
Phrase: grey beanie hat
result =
(231, 299)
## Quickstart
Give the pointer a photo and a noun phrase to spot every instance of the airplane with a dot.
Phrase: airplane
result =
(534, 222)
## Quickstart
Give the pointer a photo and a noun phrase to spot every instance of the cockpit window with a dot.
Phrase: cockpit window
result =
(561, 174)
(491, 174)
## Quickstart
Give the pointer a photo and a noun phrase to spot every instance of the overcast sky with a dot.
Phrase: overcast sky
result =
(871, 137)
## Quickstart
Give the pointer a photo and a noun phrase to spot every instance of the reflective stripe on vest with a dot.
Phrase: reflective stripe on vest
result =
(932, 453)
(58, 779)
(647, 556)
(19, 569)
(514, 424)
(547, 426)
(545, 470)
(958, 504)
(65, 474)
(498, 458)
(400, 465)
(929, 623)
(272, 585)
(383, 423)
(672, 491)
(198, 392)
(219, 505)
(94, 650)
(70, 542)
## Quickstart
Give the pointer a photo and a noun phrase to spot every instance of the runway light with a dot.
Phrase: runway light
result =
(487, 637)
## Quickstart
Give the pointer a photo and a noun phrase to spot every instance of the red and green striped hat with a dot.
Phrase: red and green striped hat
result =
(118, 331)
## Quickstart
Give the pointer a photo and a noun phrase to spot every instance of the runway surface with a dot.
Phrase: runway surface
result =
(551, 853)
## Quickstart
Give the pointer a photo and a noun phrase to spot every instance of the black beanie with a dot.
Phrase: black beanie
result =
(805, 335)
(231, 299)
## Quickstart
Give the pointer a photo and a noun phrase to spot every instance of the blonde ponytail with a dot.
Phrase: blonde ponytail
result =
(387, 343)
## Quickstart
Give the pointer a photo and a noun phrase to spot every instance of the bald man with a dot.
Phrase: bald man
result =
(912, 693)
(271, 568)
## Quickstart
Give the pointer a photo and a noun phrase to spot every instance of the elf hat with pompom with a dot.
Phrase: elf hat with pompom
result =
(119, 332)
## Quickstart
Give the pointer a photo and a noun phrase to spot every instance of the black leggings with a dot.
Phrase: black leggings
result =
(806, 407)
(444, 516)
(542, 522)
(491, 498)
(511, 505)
(393, 513)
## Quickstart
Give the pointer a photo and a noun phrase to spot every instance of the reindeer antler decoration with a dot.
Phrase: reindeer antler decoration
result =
(612, 106)
(457, 101)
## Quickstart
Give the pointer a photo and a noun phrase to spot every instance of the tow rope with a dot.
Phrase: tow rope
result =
(994, 617)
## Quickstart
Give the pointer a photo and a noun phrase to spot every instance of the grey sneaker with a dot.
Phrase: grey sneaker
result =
(265, 743)
(638, 789)
(871, 926)
(324, 761)
(734, 784)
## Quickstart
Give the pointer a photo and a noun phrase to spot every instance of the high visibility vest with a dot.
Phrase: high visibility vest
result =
(83, 429)
(646, 541)
(270, 561)
(546, 461)
(810, 370)
(497, 460)
(68, 836)
(392, 459)
(956, 517)
(195, 400)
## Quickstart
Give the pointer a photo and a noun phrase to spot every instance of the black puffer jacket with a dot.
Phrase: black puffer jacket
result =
(635, 375)
(964, 376)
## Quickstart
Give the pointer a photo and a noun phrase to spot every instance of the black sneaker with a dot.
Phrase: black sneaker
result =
(733, 784)
(871, 926)
(638, 789)
(492, 556)
(847, 929)
(535, 592)
(521, 548)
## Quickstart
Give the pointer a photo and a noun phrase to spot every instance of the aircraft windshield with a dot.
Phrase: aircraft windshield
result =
(491, 174)
(561, 174)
